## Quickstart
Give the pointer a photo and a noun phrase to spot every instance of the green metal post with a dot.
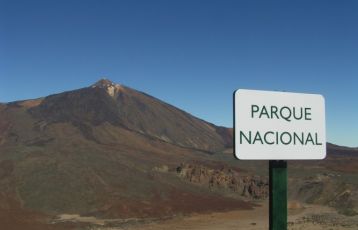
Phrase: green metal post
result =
(278, 195)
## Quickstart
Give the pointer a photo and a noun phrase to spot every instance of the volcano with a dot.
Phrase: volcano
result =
(105, 150)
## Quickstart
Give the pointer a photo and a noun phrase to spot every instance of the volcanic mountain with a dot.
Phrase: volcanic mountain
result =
(119, 106)
(105, 150)
(113, 152)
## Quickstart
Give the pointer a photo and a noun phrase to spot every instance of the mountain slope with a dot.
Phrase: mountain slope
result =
(124, 107)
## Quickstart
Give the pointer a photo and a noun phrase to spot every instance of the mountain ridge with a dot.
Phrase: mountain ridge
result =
(113, 89)
(119, 105)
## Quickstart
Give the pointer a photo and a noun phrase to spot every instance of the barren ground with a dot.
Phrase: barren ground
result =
(301, 217)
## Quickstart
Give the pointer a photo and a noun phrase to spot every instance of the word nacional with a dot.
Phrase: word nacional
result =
(272, 137)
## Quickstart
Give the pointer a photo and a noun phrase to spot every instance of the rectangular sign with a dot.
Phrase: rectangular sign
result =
(279, 125)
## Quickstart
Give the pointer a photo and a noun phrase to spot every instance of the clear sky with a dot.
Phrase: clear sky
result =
(192, 54)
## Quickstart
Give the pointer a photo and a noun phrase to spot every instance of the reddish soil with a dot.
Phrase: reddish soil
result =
(14, 217)
(177, 202)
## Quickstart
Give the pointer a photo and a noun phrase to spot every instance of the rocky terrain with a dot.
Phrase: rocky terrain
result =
(110, 156)
(225, 179)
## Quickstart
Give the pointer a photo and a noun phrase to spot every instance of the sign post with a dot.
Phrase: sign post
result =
(278, 126)
(278, 195)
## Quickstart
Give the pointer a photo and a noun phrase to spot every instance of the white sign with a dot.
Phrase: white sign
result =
(279, 125)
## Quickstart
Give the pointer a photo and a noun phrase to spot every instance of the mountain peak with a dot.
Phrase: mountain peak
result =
(103, 83)
(111, 88)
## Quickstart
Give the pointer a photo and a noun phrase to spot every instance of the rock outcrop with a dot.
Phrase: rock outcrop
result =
(225, 179)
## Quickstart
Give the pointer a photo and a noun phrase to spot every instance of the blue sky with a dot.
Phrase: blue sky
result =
(192, 54)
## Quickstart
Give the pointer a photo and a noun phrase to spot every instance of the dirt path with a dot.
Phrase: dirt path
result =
(303, 217)
(256, 219)
(312, 217)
